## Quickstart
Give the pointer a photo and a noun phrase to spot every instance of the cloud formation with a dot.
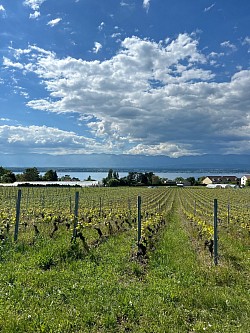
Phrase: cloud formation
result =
(146, 4)
(152, 98)
(229, 45)
(54, 22)
(43, 139)
(35, 15)
(207, 9)
(34, 4)
(97, 47)
(2, 11)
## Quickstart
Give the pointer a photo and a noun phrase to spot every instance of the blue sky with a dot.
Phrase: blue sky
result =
(148, 77)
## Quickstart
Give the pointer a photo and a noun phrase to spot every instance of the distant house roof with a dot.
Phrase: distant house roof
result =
(220, 180)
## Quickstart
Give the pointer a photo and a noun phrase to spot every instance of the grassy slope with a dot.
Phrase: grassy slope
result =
(107, 291)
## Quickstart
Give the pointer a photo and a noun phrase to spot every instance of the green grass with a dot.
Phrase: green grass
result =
(55, 286)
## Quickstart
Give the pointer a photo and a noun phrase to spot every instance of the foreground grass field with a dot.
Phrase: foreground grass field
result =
(50, 284)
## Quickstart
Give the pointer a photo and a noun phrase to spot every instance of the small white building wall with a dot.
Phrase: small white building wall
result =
(244, 179)
(59, 183)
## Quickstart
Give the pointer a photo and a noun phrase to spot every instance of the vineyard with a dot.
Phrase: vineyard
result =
(124, 259)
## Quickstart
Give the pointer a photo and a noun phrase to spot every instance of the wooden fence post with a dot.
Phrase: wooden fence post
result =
(100, 206)
(18, 204)
(139, 219)
(215, 232)
(228, 212)
(76, 215)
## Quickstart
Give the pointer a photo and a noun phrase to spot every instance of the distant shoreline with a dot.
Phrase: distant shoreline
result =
(119, 169)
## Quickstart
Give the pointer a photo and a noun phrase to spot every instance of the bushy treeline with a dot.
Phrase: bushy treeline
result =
(132, 179)
(144, 179)
(7, 176)
(30, 174)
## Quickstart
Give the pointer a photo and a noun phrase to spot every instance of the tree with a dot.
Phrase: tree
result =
(66, 178)
(191, 180)
(50, 175)
(31, 174)
(105, 181)
(156, 180)
(115, 175)
(179, 179)
(7, 176)
(149, 176)
(113, 182)
(112, 179)
(132, 178)
(110, 174)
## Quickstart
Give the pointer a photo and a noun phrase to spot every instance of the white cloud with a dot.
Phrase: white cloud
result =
(246, 40)
(5, 119)
(101, 26)
(146, 4)
(35, 15)
(2, 11)
(54, 22)
(34, 4)
(216, 55)
(43, 139)
(150, 97)
(209, 8)
(228, 44)
(169, 149)
(8, 63)
(123, 4)
(97, 47)
(116, 35)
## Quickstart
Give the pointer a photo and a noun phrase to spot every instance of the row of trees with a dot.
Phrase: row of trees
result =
(31, 174)
(140, 178)
(132, 179)
(112, 179)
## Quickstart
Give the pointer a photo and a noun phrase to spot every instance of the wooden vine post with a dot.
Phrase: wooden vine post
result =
(18, 205)
(100, 207)
(215, 232)
(76, 215)
(129, 209)
(139, 220)
(228, 212)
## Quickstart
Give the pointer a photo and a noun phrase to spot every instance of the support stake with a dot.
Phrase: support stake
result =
(18, 204)
(215, 232)
(75, 215)
(139, 219)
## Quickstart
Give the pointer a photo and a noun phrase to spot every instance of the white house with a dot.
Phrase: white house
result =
(244, 179)
(220, 180)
